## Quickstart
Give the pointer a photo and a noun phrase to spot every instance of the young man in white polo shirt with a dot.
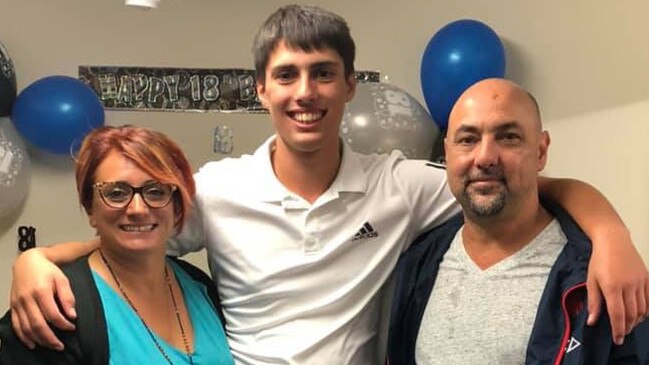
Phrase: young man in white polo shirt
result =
(302, 235)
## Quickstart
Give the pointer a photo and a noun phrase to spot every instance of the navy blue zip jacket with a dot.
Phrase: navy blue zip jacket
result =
(559, 334)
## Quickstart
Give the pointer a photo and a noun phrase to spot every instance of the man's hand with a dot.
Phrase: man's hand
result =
(36, 287)
(617, 271)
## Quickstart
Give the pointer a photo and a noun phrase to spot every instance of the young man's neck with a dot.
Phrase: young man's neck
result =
(308, 174)
(489, 240)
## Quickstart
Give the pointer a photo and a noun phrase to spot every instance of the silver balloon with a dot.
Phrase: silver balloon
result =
(14, 168)
(383, 117)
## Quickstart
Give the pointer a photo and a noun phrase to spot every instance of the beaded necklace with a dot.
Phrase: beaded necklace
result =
(173, 300)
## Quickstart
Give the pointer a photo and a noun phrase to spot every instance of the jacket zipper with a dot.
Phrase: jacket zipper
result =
(566, 328)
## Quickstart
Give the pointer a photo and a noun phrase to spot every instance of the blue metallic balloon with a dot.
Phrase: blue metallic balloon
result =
(460, 54)
(55, 113)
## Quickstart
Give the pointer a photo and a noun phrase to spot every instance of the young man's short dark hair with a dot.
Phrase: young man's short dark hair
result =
(306, 28)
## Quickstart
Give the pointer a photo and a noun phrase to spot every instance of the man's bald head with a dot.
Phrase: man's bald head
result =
(494, 91)
(495, 148)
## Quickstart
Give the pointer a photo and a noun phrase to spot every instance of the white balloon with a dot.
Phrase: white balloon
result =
(14, 168)
(382, 118)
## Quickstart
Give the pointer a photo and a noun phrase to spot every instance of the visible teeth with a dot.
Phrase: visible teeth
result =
(307, 117)
(130, 228)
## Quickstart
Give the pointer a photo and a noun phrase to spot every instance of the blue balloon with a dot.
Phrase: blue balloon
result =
(55, 113)
(460, 54)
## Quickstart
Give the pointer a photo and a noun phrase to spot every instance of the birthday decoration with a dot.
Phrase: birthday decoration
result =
(7, 82)
(178, 89)
(223, 139)
(55, 113)
(26, 238)
(382, 117)
(15, 173)
(460, 54)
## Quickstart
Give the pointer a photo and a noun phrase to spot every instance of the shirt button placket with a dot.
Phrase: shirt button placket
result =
(310, 233)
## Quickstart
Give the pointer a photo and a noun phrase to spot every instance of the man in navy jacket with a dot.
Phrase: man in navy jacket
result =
(504, 282)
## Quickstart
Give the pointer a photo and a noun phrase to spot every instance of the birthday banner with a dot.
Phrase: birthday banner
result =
(180, 89)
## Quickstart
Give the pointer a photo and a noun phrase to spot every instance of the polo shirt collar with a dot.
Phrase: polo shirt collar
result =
(351, 177)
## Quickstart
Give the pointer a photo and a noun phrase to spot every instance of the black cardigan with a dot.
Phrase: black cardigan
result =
(88, 343)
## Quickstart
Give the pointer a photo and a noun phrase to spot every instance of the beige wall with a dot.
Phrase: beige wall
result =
(585, 60)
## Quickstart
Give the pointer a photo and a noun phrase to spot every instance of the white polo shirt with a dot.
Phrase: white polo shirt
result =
(299, 282)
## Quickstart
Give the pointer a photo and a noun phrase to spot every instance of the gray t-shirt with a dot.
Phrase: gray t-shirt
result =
(477, 316)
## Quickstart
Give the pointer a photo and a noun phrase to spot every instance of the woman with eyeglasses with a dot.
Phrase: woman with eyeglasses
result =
(134, 304)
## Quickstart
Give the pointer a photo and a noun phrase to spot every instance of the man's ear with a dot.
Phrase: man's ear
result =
(544, 145)
(261, 93)
(446, 142)
(351, 85)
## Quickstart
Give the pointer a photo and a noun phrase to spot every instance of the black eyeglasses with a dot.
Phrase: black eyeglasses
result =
(118, 194)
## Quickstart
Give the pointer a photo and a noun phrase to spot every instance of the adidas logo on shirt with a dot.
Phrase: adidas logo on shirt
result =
(367, 231)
